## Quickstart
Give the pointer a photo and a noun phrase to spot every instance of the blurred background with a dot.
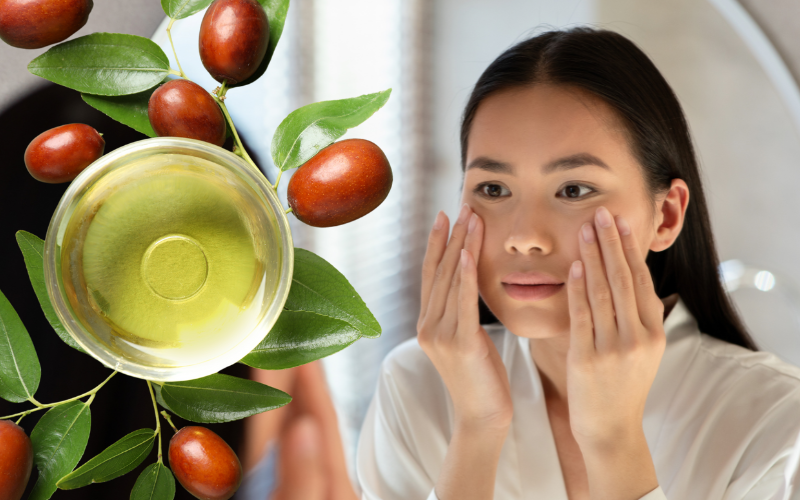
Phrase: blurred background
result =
(733, 64)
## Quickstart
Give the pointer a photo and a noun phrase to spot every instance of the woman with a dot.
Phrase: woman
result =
(578, 233)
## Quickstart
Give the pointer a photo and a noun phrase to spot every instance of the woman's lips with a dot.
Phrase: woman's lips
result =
(531, 292)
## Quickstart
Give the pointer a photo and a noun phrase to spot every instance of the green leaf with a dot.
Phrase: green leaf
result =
(322, 315)
(220, 398)
(116, 460)
(320, 288)
(104, 63)
(179, 9)
(33, 252)
(59, 440)
(154, 483)
(19, 366)
(311, 128)
(130, 110)
(300, 337)
(276, 14)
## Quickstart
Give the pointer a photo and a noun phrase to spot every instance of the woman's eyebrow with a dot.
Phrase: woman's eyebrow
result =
(574, 161)
(490, 165)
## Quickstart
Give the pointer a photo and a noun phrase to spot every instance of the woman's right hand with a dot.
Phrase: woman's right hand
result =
(449, 329)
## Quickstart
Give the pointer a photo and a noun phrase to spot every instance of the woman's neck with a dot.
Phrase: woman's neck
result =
(550, 357)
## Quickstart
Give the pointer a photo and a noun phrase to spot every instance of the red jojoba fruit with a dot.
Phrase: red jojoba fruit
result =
(234, 37)
(32, 24)
(16, 460)
(181, 108)
(341, 183)
(61, 153)
(204, 464)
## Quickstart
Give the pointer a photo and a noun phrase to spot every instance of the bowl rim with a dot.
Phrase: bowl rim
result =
(95, 171)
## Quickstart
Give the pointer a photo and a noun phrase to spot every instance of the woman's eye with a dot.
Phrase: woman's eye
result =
(574, 191)
(492, 190)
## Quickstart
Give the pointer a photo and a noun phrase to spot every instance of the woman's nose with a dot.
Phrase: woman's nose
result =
(530, 234)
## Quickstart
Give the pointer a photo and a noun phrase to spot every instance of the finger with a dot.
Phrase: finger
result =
(472, 243)
(651, 309)
(581, 340)
(468, 316)
(300, 469)
(443, 279)
(264, 427)
(437, 242)
(474, 240)
(312, 387)
(619, 276)
(598, 290)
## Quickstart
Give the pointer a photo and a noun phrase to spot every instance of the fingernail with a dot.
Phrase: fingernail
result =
(588, 233)
(623, 226)
(473, 221)
(462, 216)
(604, 217)
(439, 222)
(463, 258)
(577, 269)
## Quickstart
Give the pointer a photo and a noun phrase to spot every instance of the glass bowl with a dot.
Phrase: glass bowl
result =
(169, 259)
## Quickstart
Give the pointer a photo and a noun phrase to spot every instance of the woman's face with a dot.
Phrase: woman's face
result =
(540, 161)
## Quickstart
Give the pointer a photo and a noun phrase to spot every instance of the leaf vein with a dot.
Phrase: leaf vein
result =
(14, 358)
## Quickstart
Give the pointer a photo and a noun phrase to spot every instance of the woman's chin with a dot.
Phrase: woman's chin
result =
(534, 320)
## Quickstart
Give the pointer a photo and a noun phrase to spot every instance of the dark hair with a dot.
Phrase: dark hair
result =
(611, 67)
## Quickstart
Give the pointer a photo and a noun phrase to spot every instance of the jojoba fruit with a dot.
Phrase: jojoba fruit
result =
(61, 153)
(181, 108)
(16, 460)
(32, 24)
(341, 183)
(234, 37)
(204, 464)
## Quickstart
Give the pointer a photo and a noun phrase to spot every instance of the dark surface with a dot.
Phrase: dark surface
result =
(124, 404)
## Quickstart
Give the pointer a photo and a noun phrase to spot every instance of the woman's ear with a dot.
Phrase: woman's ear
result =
(671, 213)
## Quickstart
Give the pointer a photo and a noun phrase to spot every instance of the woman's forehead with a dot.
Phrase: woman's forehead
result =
(542, 123)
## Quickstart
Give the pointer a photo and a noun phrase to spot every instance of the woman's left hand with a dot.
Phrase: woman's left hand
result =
(610, 371)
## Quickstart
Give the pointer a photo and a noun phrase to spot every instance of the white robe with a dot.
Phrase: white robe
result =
(721, 422)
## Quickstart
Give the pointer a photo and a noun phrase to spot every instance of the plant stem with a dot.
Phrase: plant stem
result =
(280, 173)
(20, 419)
(166, 415)
(40, 406)
(158, 420)
(233, 128)
(287, 210)
(169, 35)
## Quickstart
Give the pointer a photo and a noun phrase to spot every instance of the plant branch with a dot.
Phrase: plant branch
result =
(239, 144)
(166, 415)
(40, 406)
(169, 35)
(158, 420)
(280, 173)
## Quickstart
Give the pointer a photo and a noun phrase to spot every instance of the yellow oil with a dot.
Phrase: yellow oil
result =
(165, 260)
